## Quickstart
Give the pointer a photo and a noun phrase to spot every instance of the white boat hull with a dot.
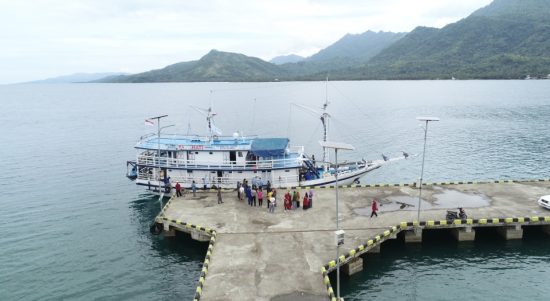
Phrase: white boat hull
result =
(344, 178)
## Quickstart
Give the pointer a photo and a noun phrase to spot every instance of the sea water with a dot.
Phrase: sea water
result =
(72, 227)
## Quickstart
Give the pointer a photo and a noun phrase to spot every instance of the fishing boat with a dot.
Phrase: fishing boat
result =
(213, 160)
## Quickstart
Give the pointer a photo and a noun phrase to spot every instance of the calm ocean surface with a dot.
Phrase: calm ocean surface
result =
(72, 227)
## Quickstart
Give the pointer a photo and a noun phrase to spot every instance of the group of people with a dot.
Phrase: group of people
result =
(180, 190)
(292, 200)
(255, 194)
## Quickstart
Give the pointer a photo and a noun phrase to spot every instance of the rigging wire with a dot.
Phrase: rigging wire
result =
(374, 127)
(310, 142)
(253, 116)
(357, 107)
(289, 120)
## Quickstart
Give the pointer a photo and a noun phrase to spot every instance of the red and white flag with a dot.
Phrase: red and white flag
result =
(149, 122)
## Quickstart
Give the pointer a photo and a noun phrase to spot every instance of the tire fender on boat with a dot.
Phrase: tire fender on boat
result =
(155, 229)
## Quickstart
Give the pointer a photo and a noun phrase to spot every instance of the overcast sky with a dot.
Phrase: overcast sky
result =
(47, 38)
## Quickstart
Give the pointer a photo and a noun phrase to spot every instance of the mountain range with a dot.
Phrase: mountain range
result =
(505, 40)
(77, 78)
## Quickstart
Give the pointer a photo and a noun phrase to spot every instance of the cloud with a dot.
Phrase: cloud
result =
(47, 38)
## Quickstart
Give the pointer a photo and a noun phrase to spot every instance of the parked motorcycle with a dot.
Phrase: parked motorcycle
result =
(452, 215)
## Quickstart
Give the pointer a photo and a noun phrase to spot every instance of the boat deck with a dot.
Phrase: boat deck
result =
(279, 256)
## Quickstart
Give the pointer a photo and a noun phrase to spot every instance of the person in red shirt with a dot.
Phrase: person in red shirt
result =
(178, 189)
(288, 203)
(305, 204)
(374, 208)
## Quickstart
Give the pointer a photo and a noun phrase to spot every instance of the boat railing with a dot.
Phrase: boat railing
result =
(296, 149)
(146, 136)
(152, 160)
(225, 182)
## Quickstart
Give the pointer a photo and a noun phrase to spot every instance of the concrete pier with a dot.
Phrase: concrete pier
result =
(354, 266)
(286, 255)
(510, 232)
(413, 236)
(374, 250)
(464, 234)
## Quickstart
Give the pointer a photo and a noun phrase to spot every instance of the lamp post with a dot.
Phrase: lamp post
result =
(427, 120)
(158, 118)
(339, 234)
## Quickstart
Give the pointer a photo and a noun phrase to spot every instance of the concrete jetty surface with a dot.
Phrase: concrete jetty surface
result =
(279, 256)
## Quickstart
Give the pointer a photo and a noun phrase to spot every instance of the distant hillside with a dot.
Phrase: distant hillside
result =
(348, 52)
(214, 66)
(284, 59)
(507, 39)
(76, 78)
(359, 47)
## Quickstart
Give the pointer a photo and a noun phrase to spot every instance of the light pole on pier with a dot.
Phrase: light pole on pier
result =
(339, 234)
(158, 118)
(427, 120)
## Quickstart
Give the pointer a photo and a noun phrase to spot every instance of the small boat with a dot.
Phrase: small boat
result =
(213, 160)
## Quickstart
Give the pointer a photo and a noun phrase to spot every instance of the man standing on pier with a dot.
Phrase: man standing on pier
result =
(374, 208)
(220, 195)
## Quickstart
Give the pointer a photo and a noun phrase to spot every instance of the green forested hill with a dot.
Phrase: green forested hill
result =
(215, 66)
(358, 47)
(508, 39)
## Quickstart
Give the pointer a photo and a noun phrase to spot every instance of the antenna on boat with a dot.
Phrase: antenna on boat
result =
(325, 120)
(188, 127)
(212, 129)
(325, 116)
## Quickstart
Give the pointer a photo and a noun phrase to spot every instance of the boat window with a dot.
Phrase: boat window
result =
(211, 153)
(287, 170)
(240, 154)
(196, 153)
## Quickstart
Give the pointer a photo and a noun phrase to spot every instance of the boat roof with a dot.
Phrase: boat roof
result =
(263, 147)
(185, 142)
(269, 147)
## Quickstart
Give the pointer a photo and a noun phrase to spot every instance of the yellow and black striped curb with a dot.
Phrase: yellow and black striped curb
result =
(414, 184)
(207, 231)
(393, 184)
(378, 239)
(211, 232)
(206, 263)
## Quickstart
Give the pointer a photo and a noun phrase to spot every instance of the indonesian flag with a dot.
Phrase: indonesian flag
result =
(149, 122)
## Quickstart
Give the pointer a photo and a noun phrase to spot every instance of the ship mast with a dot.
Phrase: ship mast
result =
(212, 129)
(325, 121)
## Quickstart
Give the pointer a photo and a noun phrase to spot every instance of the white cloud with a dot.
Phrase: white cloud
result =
(47, 38)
